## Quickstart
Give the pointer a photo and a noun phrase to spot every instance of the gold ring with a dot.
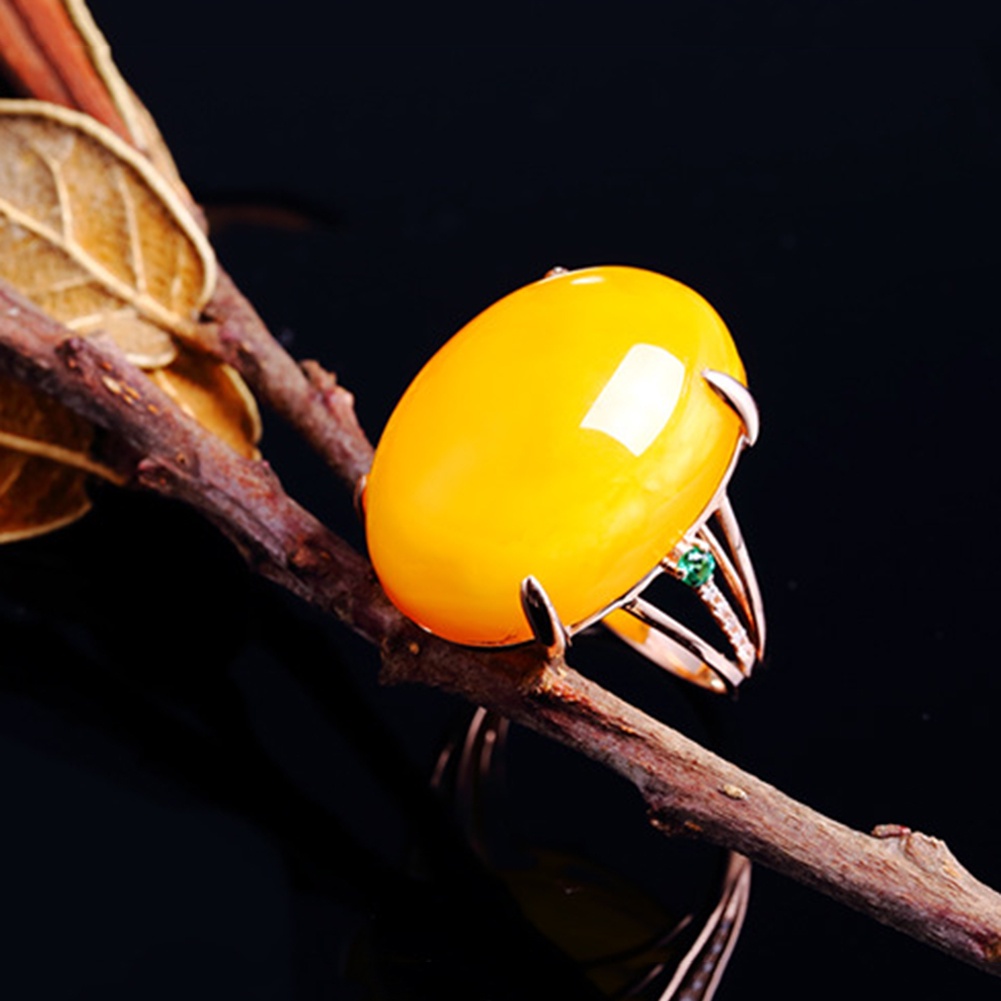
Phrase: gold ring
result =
(569, 445)
(473, 773)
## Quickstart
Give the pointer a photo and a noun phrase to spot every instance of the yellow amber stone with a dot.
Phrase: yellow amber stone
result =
(566, 432)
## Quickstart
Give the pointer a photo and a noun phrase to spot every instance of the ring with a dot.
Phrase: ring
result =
(682, 962)
(569, 445)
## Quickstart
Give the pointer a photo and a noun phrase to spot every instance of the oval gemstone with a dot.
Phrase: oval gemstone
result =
(566, 432)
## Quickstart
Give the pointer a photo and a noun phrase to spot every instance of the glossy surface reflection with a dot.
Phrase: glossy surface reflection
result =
(566, 432)
(636, 403)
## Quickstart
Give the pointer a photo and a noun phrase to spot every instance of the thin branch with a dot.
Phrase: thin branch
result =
(902, 878)
(307, 396)
(54, 57)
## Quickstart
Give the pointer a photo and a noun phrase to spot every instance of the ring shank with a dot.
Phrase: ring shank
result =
(676, 648)
(666, 653)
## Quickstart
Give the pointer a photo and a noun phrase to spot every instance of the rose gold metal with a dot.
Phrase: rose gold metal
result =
(668, 643)
(358, 497)
(698, 974)
(745, 575)
(738, 397)
(674, 647)
(681, 651)
(542, 617)
(468, 770)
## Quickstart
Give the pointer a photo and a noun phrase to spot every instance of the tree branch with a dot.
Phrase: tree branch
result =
(305, 395)
(902, 878)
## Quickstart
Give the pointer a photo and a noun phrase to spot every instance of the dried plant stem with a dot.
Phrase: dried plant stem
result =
(46, 54)
(904, 879)
(306, 395)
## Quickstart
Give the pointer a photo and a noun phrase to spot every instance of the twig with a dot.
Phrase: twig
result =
(902, 878)
(305, 395)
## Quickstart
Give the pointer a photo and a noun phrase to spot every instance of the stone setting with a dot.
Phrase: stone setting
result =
(695, 567)
(565, 433)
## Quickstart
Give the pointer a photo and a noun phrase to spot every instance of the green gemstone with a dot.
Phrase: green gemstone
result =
(696, 567)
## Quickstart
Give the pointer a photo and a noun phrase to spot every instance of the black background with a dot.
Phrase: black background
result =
(186, 811)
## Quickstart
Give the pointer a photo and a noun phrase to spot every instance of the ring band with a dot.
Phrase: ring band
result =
(569, 445)
(694, 561)
(466, 773)
(674, 647)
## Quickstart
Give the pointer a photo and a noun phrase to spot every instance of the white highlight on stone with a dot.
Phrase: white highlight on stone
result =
(638, 400)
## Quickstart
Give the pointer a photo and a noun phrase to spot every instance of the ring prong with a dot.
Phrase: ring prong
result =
(542, 618)
(738, 397)
(359, 496)
(555, 271)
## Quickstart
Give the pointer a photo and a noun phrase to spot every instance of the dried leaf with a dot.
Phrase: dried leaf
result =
(214, 395)
(91, 232)
(101, 238)
(43, 463)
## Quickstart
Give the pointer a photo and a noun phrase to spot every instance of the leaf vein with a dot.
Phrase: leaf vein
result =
(132, 227)
(144, 303)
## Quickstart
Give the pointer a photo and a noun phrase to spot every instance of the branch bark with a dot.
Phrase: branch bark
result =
(902, 878)
(306, 395)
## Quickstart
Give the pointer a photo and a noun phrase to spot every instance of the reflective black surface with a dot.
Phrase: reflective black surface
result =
(206, 792)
